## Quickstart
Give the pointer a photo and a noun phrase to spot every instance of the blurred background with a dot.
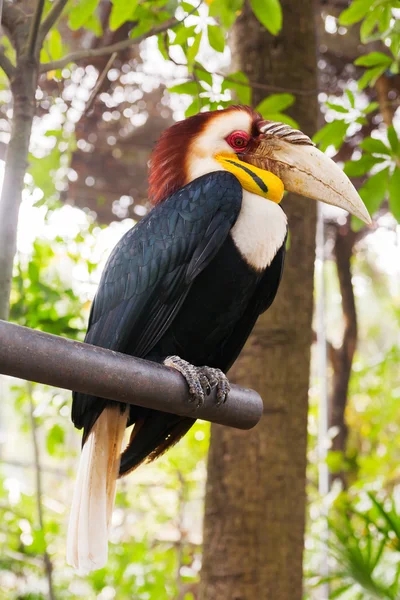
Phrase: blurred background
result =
(113, 76)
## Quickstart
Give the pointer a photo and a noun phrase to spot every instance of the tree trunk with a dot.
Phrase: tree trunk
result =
(23, 87)
(255, 495)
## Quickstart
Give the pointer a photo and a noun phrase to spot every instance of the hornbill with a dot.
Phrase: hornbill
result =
(185, 286)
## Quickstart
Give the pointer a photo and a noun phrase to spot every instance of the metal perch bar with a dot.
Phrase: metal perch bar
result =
(53, 360)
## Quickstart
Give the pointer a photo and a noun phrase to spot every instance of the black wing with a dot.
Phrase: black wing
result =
(151, 269)
(261, 301)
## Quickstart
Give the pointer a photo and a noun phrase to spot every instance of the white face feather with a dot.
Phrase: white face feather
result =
(261, 227)
(212, 141)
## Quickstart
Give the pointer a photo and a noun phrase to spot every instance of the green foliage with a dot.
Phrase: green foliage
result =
(81, 13)
(377, 24)
(365, 544)
(269, 13)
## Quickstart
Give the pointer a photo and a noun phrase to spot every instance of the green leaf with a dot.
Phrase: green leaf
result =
(386, 17)
(162, 44)
(351, 98)
(94, 24)
(269, 13)
(193, 108)
(373, 145)
(242, 90)
(357, 168)
(356, 11)
(203, 75)
(332, 134)
(121, 12)
(337, 107)
(283, 118)
(216, 38)
(183, 34)
(368, 24)
(226, 11)
(370, 76)
(372, 106)
(275, 103)
(55, 45)
(373, 59)
(394, 194)
(373, 192)
(189, 87)
(55, 439)
(393, 139)
(81, 12)
(189, 8)
(194, 48)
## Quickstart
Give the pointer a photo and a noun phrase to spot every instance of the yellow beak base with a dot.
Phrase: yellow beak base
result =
(253, 179)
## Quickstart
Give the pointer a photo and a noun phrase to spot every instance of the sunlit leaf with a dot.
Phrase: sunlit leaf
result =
(193, 108)
(194, 48)
(226, 11)
(374, 146)
(81, 12)
(356, 11)
(394, 194)
(332, 134)
(55, 439)
(189, 87)
(121, 12)
(351, 98)
(55, 45)
(239, 83)
(370, 76)
(275, 103)
(337, 107)
(374, 191)
(393, 139)
(216, 38)
(283, 118)
(269, 13)
(357, 168)
(373, 59)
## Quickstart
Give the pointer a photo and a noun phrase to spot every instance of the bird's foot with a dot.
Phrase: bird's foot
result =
(200, 380)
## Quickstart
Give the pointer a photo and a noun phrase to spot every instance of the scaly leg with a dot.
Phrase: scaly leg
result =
(200, 379)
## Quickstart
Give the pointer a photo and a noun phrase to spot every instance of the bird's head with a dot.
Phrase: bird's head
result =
(267, 157)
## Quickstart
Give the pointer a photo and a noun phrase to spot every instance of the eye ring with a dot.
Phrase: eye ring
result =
(238, 140)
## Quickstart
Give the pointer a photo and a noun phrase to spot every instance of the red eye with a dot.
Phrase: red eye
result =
(238, 140)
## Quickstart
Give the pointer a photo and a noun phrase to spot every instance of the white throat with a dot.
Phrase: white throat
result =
(259, 231)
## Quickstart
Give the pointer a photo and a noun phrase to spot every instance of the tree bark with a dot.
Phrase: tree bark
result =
(255, 495)
(23, 86)
(342, 357)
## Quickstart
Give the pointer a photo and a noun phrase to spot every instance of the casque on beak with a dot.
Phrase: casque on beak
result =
(303, 169)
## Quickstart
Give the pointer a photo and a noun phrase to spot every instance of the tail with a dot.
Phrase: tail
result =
(94, 494)
(153, 434)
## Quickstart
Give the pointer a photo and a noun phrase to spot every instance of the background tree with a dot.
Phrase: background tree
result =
(255, 502)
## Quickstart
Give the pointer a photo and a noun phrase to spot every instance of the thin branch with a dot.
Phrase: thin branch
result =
(46, 559)
(13, 17)
(117, 47)
(34, 30)
(6, 64)
(100, 82)
(51, 17)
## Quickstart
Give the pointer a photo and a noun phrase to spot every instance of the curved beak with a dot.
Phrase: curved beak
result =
(304, 169)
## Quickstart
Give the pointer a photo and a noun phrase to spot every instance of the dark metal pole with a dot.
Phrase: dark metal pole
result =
(53, 360)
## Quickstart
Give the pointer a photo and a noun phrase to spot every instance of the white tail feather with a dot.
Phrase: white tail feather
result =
(94, 494)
